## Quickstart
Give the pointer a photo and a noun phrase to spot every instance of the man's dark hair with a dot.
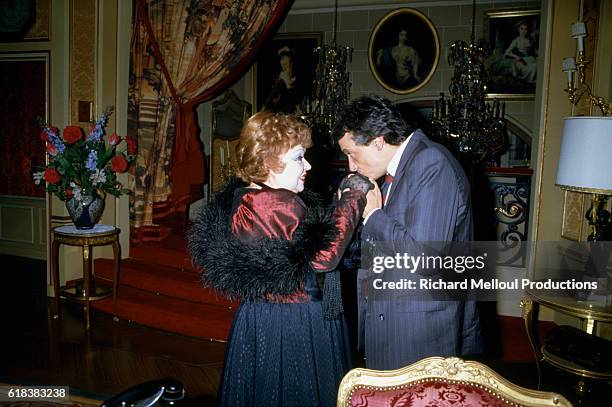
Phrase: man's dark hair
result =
(369, 117)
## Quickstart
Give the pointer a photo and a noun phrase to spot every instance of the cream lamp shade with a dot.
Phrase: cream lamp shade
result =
(585, 162)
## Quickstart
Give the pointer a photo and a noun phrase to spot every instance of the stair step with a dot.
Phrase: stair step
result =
(170, 314)
(161, 280)
(172, 252)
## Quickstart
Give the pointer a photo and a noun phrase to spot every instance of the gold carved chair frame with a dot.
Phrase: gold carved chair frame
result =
(445, 370)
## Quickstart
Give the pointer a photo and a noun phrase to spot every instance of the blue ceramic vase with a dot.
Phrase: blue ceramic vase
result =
(85, 210)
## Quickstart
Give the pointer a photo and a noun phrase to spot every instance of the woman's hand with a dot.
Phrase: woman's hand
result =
(355, 181)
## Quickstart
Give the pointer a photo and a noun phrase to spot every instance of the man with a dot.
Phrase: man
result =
(427, 200)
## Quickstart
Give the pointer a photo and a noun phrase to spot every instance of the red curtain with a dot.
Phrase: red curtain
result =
(183, 53)
(23, 101)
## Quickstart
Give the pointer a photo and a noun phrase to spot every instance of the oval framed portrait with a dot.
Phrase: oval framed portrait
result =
(404, 50)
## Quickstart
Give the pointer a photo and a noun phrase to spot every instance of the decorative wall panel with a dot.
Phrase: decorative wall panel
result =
(82, 55)
(573, 216)
(17, 223)
(23, 226)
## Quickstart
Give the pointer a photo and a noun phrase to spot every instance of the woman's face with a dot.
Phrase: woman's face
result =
(294, 174)
(523, 30)
(403, 37)
(286, 63)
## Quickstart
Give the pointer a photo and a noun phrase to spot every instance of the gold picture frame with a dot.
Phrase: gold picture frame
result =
(512, 36)
(404, 51)
(267, 81)
(25, 21)
(572, 224)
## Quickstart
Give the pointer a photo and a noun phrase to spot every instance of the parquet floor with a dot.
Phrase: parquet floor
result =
(113, 356)
(98, 363)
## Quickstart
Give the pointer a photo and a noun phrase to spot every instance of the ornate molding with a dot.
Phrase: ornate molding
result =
(82, 55)
(445, 370)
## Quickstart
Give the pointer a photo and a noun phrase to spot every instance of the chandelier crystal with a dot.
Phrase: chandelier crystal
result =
(331, 88)
(475, 126)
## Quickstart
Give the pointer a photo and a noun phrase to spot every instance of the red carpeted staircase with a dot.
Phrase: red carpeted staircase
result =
(159, 287)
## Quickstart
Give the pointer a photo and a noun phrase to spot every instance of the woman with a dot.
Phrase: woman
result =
(286, 94)
(402, 62)
(523, 51)
(260, 241)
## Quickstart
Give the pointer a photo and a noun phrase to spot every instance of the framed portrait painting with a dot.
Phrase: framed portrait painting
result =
(284, 72)
(513, 37)
(404, 50)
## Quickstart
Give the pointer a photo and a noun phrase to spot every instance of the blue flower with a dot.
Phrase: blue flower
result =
(55, 140)
(97, 131)
(92, 160)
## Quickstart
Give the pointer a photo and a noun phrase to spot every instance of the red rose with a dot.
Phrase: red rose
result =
(119, 164)
(114, 139)
(44, 135)
(132, 146)
(51, 176)
(69, 193)
(51, 149)
(72, 134)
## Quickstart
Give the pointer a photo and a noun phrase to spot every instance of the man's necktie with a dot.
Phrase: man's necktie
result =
(385, 187)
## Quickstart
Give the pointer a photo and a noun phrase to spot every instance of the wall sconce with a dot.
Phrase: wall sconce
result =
(572, 65)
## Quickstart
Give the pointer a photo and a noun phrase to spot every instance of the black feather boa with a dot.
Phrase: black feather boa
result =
(269, 266)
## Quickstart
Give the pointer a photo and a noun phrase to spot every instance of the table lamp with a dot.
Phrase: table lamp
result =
(585, 165)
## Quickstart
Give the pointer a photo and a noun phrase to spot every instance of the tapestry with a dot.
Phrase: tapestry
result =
(23, 103)
(184, 52)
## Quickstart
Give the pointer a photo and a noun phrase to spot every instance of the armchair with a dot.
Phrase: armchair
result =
(438, 381)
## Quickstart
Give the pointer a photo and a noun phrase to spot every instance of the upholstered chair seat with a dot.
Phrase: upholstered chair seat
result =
(438, 382)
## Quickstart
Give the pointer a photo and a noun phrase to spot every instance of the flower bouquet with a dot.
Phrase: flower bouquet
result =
(81, 170)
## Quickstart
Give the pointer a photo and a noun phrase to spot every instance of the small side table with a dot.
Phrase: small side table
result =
(590, 315)
(100, 235)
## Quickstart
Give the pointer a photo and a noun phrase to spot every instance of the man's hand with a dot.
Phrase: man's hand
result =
(374, 200)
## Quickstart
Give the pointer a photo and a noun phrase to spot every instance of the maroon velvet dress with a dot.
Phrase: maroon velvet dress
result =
(282, 351)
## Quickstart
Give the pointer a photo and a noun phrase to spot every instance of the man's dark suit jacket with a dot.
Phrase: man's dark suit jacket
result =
(429, 201)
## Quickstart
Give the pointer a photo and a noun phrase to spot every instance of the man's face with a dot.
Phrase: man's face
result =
(364, 159)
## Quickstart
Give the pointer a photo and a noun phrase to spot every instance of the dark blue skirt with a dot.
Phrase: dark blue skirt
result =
(284, 355)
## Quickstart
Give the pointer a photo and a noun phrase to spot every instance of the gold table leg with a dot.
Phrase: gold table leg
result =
(117, 256)
(55, 276)
(86, 278)
(588, 325)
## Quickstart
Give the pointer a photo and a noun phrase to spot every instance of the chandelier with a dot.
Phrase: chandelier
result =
(477, 128)
(331, 88)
